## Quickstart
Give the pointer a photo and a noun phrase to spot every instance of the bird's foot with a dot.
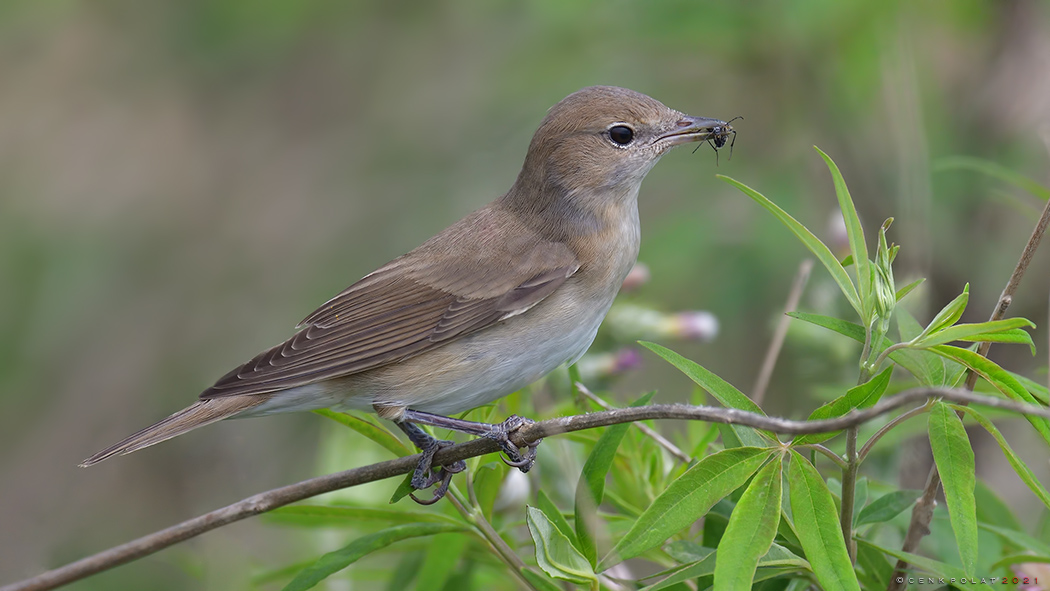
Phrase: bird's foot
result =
(425, 474)
(500, 433)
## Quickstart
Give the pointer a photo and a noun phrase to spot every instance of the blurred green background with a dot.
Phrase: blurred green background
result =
(181, 182)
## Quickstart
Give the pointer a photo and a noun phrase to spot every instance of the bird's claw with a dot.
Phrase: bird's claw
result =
(426, 476)
(501, 434)
(443, 479)
(524, 461)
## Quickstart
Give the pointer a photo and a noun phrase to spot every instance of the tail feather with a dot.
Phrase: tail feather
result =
(199, 414)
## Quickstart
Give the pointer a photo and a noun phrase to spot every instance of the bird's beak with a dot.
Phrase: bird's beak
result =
(693, 129)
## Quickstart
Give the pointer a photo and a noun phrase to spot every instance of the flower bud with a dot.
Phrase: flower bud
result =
(630, 322)
(885, 291)
(595, 366)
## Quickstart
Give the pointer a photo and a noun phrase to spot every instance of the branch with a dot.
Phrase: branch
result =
(922, 513)
(651, 433)
(758, 392)
(279, 497)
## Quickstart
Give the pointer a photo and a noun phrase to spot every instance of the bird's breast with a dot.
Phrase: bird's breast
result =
(608, 254)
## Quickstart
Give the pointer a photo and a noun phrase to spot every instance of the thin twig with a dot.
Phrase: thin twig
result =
(849, 486)
(267, 501)
(922, 513)
(886, 353)
(827, 452)
(852, 467)
(652, 434)
(758, 392)
(890, 425)
(865, 369)
(485, 530)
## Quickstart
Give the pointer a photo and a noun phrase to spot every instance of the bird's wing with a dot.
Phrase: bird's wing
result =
(443, 290)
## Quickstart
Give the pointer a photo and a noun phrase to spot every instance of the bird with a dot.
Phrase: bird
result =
(486, 307)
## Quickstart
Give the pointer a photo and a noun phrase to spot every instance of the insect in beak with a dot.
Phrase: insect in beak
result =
(719, 135)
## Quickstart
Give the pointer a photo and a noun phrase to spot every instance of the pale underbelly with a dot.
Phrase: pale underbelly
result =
(467, 373)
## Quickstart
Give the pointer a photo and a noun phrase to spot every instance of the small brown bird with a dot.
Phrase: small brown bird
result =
(486, 307)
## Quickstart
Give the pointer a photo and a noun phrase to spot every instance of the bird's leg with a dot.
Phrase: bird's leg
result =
(500, 433)
(425, 475)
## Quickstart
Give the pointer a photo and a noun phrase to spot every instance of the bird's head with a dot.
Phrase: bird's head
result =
(605, 139)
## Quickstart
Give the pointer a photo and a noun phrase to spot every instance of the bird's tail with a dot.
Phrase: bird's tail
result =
(199, 414)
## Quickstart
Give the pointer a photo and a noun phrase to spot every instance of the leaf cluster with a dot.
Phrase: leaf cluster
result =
(749, 510)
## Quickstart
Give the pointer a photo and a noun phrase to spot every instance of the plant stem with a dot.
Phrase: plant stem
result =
(758, 392)
(865, 372)
(886, 353)
(652, 434)
(890, 425)
(475, 517)
(922, 513)
(849, 472)
(849, 489)
(827, 453)
(279, 497)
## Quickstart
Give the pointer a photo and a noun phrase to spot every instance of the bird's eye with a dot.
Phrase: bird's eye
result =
(621, 134)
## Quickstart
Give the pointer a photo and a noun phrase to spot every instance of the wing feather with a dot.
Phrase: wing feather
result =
(420, 301)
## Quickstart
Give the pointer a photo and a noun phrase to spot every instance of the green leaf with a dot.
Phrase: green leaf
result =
(554, 553)
(888, 506)
(778, 556)
(862, 396)
(1007, 561)
(739, 436)
(875, 569)
(488, 479)
(995, 171)
(1015, 336)
(373, 431)
(1017, 539)
(955, 463)
(751, 530)
(992, 509)
(930, 364)
(687, 499)
(998, 377)
(1037, 390)
(1018, 465)
(283, 573)
(818, 530)
(843, 327)
(855, 232)
(999, 331)
(545, 504)
(539, 581)
(701, 568)
(935, 567)
(722, 390)
(860, 497)
(907, 325)
(818, 248)
(404, 488)
(949, 314)
(906, 358)
(687, 552)
(440, 560)
(342, 516)
(908, 288)
(590, 489)
(336, 561)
